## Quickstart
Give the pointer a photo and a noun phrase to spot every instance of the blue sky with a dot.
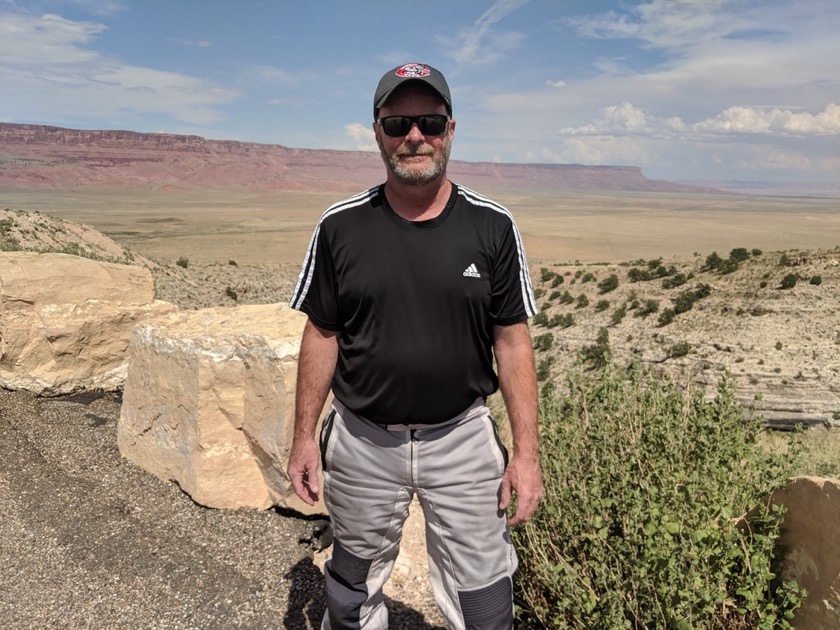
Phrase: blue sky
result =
(685, 89)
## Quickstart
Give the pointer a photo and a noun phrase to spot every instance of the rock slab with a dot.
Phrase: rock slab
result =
(209, 403)
(66, 321)
(811, 542)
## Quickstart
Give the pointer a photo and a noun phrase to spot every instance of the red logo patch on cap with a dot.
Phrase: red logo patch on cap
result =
(413, 71)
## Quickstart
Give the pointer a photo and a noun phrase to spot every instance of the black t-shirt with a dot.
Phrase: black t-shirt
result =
(415, 302)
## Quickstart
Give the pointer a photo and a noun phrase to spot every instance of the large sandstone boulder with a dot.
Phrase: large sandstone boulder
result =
(66, 321)
(811, 542)
(209, 403)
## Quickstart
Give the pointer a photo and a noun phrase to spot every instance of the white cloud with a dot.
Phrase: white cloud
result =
(50, 55)
(627, 119)
(362, 137)
(555, 84)
(480, 43)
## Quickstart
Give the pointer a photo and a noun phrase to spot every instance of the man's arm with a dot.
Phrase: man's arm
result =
(316, 365)
(518, 383)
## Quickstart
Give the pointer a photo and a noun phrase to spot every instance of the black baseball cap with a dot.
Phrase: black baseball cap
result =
(393, 79)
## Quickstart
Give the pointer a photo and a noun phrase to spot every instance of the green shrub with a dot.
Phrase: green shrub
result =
(232, 294)
(618, 315)
(713, 262)
(543, 342)
(637, 528)
(674, 281)
(183, 262)
(789, 281)
(597, 355)
(816, 280)
(582, 301)
(648, 307)
(546, 274)
(678, 350)
(602, 305)
(666, 316)
(740, 254)
(608, 284)
(544, 369)
(564, 321)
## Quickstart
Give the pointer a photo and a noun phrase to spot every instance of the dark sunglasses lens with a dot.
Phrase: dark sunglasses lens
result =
(396, 125)
(432, 125)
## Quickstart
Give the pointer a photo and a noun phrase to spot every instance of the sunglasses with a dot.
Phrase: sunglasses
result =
(429, 124)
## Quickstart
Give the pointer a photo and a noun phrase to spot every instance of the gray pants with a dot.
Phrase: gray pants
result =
(371, 473)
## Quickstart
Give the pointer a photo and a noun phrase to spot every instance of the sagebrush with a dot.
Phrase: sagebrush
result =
(645, 481)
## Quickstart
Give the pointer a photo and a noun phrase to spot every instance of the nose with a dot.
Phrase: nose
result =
(414, 134)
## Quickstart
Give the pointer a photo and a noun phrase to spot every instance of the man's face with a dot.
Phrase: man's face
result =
(414, 159)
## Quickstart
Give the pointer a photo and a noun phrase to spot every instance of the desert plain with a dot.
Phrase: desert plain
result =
(273, 228)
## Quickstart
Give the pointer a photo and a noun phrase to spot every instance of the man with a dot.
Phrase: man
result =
(411, 288)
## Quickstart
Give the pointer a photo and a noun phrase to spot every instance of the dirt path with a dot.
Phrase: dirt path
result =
(87, 540)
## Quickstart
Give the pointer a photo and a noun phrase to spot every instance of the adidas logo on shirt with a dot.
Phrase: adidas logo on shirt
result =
(472, 272)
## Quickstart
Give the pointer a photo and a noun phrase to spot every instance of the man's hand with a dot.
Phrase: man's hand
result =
(522, 478)
(304, 461)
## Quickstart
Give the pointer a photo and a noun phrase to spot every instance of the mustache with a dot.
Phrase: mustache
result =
(414, 150)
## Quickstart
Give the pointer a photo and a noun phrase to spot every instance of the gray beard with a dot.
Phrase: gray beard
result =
(414, 177)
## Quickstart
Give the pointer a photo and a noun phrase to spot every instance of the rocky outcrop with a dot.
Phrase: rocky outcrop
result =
(54, 157)
(811, 542)
(209, 403)
(66, 321)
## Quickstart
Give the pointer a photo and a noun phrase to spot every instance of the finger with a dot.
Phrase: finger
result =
(504, 499)
(313, 488)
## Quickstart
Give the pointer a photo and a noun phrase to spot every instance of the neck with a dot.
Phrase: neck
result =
(418, 203)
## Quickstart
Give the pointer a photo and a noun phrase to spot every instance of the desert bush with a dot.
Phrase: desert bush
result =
(582, 301)
(610, 283)
(183, 262)
(597, 355)
(635, 274)
(646, 308)
(544, 368)
(618, 315)
(602, 305)
(556, 281)
(666, 316)
(546, 274)
(539, 292)
(816, 280)
(588, 277)
(637, 528)
(789, 281)
(543, 342)
(678, 350)
(540, 319)
(564, 321)
(740, 254)
(566, 298)
(713, 262)
(231, 293)
(676, 280)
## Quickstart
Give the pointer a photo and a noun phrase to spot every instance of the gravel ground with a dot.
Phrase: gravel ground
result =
(88, 540)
